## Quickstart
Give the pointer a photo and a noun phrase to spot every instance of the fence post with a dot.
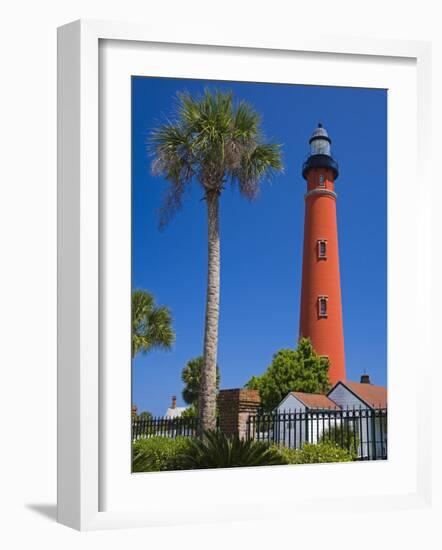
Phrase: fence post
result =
(306, 427)
(373, 432)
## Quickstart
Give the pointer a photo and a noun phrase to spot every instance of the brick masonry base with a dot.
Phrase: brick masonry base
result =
(234, 408)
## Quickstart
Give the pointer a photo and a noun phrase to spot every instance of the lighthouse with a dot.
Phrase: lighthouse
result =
(321, 306)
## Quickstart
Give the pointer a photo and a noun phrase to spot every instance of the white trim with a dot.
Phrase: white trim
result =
(78, 255)
(321, 191)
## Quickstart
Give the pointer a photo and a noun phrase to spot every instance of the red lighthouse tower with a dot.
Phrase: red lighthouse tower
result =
(321, 308)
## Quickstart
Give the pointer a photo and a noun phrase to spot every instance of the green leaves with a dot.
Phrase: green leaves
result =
(214, 140)
(291, 370)
(216, 450)
(157, 454)
(314, 454)
(191, 377)
(144, 415)
(343, 436)
(151, 324)
(258, 162)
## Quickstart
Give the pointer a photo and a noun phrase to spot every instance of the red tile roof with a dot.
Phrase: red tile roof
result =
(374, 396)
(315, 400)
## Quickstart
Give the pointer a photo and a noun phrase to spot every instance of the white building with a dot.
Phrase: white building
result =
(302, 418)
(355, 410)
(366, 405)
(173, 411)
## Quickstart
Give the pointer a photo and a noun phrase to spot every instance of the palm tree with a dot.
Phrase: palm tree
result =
(191, 377)
(215, 142)
(217, 450)
(151, 324)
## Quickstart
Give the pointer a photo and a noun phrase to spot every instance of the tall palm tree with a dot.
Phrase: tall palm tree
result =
(216, 142)
(151, 324)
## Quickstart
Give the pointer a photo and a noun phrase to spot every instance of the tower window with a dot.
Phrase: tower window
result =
(322, 249)
(321, 180)
(322, 306)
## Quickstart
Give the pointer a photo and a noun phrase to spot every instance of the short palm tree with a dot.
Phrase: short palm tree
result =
(215, 142)
(191, 377)
(151, 324)
(216, 450)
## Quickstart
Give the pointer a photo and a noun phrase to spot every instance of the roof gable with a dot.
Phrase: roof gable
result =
(373, 396)
(290, 397)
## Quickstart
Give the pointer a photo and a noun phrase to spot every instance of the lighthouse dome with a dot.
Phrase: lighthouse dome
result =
(320, 132)
(320, 142)
(320, 152)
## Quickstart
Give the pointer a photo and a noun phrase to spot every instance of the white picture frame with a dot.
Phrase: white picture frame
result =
(80, 397)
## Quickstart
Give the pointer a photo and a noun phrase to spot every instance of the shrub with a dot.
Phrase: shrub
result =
(343, 436)
(313, 454)
(156, 454)
(216, 450)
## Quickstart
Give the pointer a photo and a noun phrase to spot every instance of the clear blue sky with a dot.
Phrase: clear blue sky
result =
(261, 242)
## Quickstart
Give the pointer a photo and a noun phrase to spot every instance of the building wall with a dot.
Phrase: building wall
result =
(345, 398)
(290, 403)
(298, 430)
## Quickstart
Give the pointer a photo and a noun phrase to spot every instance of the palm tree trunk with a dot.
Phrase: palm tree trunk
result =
(207, 399)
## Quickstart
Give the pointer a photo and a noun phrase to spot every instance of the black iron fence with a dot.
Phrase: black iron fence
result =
(143, 428)
(362, 431)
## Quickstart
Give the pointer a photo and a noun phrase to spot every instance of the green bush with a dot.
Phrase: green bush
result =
(216, 450)
(313, 454)
(342, 436)
(156, 454)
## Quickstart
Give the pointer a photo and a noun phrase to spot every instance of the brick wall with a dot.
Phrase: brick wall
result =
(234, 407)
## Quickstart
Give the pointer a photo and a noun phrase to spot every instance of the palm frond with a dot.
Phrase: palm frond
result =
(246, 122)
(260, 162)
(216, 450)
(214, 140)
(151, 325)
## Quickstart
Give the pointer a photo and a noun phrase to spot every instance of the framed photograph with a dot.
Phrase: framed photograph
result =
(243, 250)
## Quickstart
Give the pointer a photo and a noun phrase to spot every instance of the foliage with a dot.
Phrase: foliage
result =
(145, 415)
(151, 324)
(157, 453)
(215, 141)
(190, 412)
(191, 376)
(343, 436)
(312, 454)
(216, 450)
(291, 370)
